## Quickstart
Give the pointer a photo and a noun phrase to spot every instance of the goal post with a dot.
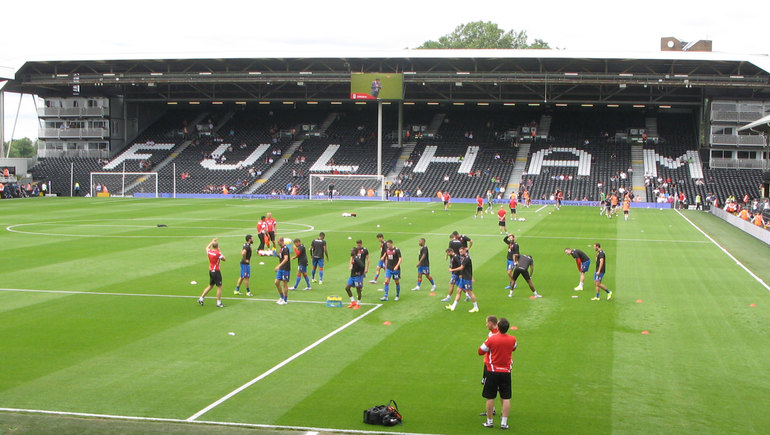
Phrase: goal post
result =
(123, 183)
(346, 186)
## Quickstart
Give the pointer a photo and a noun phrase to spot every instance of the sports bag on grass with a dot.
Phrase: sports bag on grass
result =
(385, 415)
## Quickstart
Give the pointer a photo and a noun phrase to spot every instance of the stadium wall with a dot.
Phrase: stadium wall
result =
(746, 227)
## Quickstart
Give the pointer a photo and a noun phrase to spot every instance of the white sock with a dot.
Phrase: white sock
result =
(475, 305)
(352, 299)
(490, 421)
(504, 420)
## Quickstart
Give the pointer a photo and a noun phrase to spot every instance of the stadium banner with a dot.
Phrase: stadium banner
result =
(376, 86)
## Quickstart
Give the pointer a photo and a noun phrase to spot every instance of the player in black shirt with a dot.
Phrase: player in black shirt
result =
(582, 261)
(601, 269)
(454, 262)
(300, 254)
(466, 281)
(282, 272)
(526, 268)
(423, 266)
(245, 266)
(511, 258)
(318, 251)
(392, 259)
(359, 266)
(380, 262)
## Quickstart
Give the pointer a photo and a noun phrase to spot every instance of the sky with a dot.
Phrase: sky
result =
(46, 30)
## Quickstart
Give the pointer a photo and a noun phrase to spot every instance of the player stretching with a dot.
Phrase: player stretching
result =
(245, 266)
(512, 257)
(392, 259)
(501, 219)
(582, 261)
(300, 254)
(215, 275)
(454, 262)
(526, 268)
(601, 268)
(466, 281)
(479, 207)
(359, 265)
(318, 251)
(380, 262)
(423, 266)
(282, 273)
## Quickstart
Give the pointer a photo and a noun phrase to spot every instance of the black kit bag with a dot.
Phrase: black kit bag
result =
(385, 415)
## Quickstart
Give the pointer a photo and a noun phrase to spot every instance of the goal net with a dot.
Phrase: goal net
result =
(346, 186)
(123, 183)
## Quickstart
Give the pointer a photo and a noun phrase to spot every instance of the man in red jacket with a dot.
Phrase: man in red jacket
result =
(499, 348)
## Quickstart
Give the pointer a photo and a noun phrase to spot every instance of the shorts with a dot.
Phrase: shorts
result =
(513, 211)
(454, 279)
(501, 223)
(479, 208)
(510, 265)
(523, 272)
(395, 274)
(318, 263)
(356, 281)
(625, 211)
(245, 270)
(271, 234)
(497, 382)
(302, 269)
(446, 202)
(465, 285)
(584, 266)
(425, 270)
(215, 278)
(282, 275)
(381, 264)
(598, 276)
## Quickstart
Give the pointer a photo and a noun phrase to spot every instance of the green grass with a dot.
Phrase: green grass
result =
(130, 340)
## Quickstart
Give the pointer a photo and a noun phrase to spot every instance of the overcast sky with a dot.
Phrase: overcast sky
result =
(46, 30)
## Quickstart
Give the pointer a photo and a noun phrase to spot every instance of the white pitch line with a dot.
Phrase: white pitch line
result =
(216, 423)
(759, 280)
(73, 292)
(541, 208)
(280, 365)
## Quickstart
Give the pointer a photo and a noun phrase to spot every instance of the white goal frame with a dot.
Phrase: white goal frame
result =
(122, 176)
(312, 195)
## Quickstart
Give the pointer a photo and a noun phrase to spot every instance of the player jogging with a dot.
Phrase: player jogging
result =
(446, 199)
(626, 205)
(282, 273)
(392, 259)
(582, 261)
(559, 196)
(601, 269)
(359, 266)
(215, 275)
(526, 268)
(300, 254)
(318, 251)
(479, 207)
(489, 202)
(465, 282)
(380, 262)
(423, 266)
(245, 266)
(501, 219)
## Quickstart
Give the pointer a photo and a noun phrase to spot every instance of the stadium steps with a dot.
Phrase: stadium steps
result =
(160, 165)
(435, 124)
(330, 118)
(276, 166)
(518, 168)
(406, 152)
(637, 164)
(651, 127)
(544, 127)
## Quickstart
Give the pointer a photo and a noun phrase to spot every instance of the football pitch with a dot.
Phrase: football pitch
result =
(100, 330)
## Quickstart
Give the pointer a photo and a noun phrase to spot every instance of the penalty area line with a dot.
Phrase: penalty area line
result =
(280, 365)
(212, 423)
(758, 279)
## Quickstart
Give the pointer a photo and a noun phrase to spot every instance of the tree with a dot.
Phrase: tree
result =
(22, 148)
(480, 34)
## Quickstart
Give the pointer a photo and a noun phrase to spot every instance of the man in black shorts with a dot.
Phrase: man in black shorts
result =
(526, 268)
(500, 348)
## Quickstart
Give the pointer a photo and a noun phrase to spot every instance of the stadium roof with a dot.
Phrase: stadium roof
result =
(682, 78)
(761, 124)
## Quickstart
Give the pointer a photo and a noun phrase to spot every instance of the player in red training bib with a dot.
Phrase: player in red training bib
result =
(501, 219)
(215, 275)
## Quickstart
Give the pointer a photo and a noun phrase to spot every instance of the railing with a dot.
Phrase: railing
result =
(102, 154)
(736, 164)
(45, 112)
(732, 139)
(68, 133)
